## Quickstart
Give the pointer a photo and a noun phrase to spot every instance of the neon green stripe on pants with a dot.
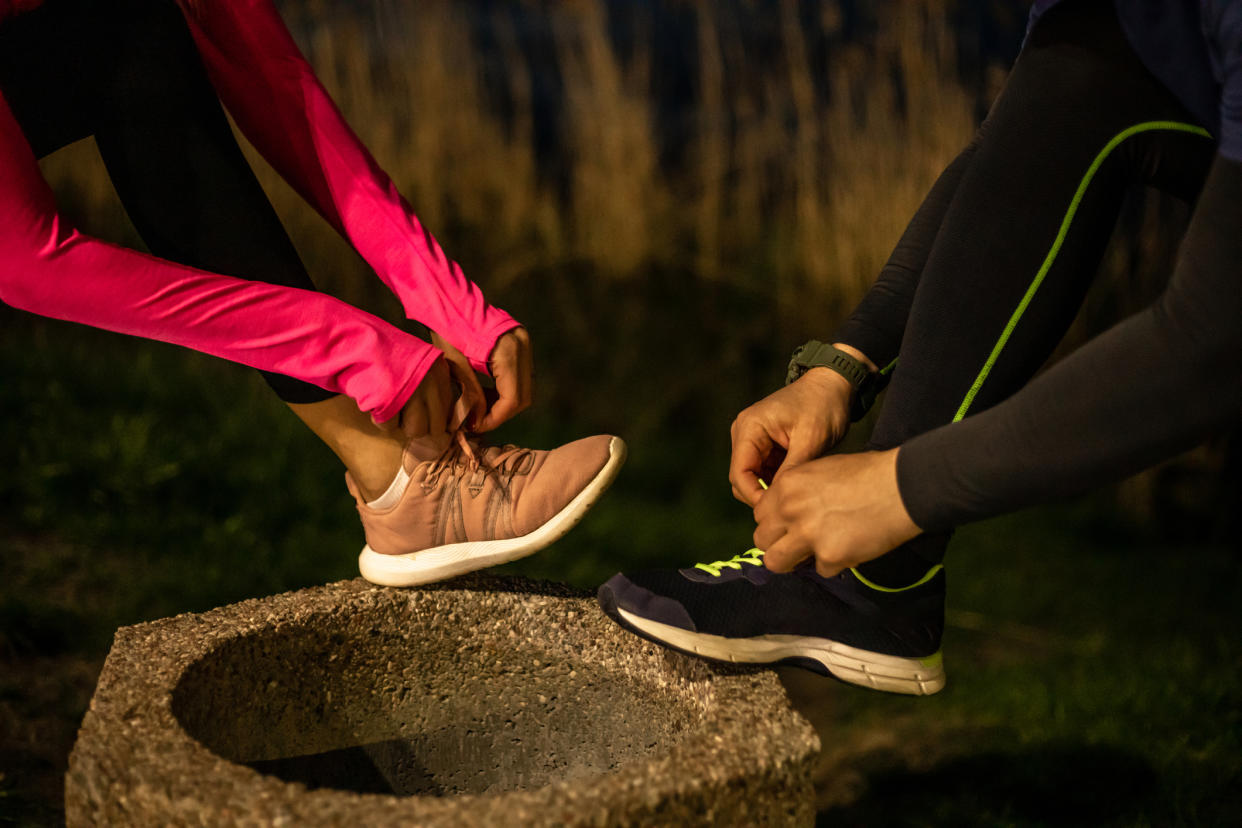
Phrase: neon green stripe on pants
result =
(1146, 126)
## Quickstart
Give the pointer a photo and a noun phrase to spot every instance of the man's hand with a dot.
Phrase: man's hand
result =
(844, 510)
(788, 427)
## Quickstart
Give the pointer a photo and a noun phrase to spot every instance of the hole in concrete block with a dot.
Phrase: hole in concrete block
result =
(524, 692)
(402, 703)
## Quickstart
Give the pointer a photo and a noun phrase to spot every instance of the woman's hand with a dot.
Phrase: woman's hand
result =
(472, 403)
(790, 426)
(426, 412)
(844, 510)
(511, 364)
(512, 367)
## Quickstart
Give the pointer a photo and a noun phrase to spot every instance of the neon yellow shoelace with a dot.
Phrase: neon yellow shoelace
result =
(754, 557)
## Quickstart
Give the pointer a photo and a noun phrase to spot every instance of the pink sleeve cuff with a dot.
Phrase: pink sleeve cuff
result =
(483, 344)
(402, 394)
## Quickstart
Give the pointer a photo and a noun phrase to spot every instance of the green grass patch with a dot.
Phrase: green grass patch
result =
(1093, 675)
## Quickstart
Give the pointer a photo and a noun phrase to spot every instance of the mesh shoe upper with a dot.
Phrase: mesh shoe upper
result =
(752, 601)
(475, 492)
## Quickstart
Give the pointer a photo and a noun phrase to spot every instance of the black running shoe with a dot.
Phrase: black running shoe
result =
(738, 610)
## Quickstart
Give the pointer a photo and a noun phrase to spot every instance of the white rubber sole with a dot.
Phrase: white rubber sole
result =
(440, 562)
(894, 674)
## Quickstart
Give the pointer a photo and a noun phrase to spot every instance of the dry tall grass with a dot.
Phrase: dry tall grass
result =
(800, 171)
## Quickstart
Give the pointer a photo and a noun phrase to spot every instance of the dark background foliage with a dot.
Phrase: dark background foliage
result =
(671, 195)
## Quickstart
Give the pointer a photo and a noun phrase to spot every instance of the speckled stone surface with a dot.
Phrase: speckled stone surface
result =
(483, 701)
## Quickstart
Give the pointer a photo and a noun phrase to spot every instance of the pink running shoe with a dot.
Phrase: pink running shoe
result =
(476, 506)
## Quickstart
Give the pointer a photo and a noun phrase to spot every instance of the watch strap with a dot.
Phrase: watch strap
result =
(865, 398)
(816, 354)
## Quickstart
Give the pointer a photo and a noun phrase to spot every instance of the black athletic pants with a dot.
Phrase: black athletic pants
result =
(128, 73)
(992, 269)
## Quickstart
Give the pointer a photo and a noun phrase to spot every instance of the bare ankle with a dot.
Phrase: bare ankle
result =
(372, 455)
(373, 465)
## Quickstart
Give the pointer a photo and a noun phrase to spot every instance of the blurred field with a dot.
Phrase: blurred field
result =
(671, 195)
(766, 144)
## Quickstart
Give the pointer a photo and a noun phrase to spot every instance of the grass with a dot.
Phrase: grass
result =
(1092, 673)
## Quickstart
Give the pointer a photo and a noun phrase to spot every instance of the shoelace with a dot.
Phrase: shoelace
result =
(471, 454)
(754, 557)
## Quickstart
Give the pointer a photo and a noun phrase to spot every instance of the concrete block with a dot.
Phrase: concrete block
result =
(482, 701)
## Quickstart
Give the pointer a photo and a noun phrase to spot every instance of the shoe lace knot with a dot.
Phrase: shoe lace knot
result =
(471, 455)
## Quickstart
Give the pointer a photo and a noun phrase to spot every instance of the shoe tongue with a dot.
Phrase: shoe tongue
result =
(458, 447)
(493, 456)
(425, 449)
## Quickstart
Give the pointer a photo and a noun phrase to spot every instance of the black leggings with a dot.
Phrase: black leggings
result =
(992, 270)
(128, 73)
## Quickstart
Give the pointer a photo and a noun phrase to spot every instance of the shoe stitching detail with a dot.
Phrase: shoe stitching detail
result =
(491, 511)
(506, 517)
(459, 515)
(448, 473)
(440, 530)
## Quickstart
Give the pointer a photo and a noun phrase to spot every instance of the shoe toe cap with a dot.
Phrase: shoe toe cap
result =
(621, 593)
(561, 476)
(577, 463)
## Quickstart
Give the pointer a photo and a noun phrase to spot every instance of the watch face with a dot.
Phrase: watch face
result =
(816, 354)
(796, 367)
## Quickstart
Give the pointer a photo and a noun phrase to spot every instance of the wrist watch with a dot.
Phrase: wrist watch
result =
(867, 383)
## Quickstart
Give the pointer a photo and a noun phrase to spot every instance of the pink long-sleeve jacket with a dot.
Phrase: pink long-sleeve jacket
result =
(49, 268)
